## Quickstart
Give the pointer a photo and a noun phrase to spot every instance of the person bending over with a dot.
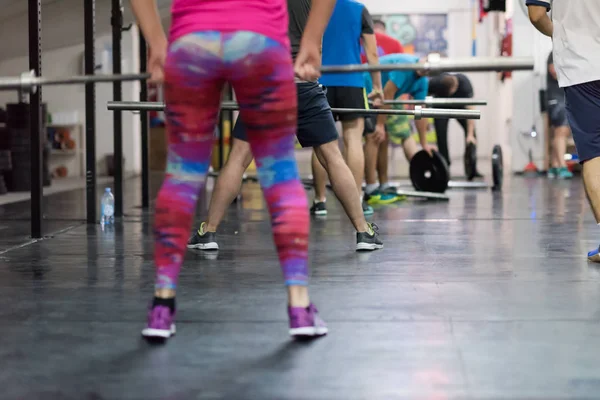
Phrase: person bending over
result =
(455, 86)
(395, 84)
(557, 115)
(316, 129)
(575, 33)
(349, 24)
(208, 46)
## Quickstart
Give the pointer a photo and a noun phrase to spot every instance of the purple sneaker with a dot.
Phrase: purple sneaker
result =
(161, 323)
(305, 322)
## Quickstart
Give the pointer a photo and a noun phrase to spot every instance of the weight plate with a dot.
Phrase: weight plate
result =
(429, 174)
(470, 161)
(497, 167)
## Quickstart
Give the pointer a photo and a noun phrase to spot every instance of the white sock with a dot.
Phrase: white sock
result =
(371, 187)
(385, 186)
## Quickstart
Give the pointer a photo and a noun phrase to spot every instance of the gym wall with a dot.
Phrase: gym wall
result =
(63, 34)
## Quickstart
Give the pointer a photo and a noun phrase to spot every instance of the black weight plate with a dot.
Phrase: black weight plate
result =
(429, 174)
(497, 167)
(470, 161)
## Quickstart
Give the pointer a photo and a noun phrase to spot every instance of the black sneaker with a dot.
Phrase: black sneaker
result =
(369, 241)
(318, 208)
(203, 240)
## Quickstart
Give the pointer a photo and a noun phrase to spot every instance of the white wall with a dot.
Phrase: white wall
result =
(526, 85)
(69, 61)
(493, 128)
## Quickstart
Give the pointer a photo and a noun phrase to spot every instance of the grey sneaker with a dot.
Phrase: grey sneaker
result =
(203, 240)
(369, 241)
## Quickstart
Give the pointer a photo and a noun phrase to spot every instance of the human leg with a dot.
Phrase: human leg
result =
(342, 182)
(383, 162)
(397, 129)
(441, 133)
(320, 180)
(371, 150)
(262, 77)
(410, 147)
(558, 120)
(226, 189)
(190, 134)
(352, 131)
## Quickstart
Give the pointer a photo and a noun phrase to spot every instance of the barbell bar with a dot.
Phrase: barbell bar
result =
(438, 101)
(27, 81)
(438, 65)
(418, 112)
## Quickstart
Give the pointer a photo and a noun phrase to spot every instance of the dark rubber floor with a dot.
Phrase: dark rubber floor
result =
(489, 296)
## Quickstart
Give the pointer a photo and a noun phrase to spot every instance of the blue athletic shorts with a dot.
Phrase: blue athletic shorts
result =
(315, 120)
(583, 111)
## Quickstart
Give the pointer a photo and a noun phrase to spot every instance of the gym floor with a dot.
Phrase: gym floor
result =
(486, 296)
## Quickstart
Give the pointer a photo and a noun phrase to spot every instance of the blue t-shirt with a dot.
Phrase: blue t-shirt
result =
(341, 41)
(407, 82)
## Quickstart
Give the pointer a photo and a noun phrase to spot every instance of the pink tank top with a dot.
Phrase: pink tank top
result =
(266, 17)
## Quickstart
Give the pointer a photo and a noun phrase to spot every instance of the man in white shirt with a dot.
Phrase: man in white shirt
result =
(575, 31)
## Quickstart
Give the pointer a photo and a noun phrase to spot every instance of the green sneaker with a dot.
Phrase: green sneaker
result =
(552, 173)
(564, 173)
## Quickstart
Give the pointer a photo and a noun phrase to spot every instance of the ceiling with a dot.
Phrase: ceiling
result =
(62, 23)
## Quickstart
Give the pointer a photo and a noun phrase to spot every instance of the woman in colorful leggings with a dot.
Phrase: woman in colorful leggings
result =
(210, 45)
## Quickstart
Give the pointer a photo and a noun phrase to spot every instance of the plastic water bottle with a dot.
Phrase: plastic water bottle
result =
(108, 208)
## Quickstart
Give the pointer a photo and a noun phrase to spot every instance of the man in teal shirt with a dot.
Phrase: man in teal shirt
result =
(395, 84)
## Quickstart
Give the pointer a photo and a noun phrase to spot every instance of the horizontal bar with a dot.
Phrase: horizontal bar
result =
(434, 64)
(418, 112)
(439, 102)
(91, 78)
(29, 82)
(437, 65)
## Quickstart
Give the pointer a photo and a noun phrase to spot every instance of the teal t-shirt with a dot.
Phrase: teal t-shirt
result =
(407, 82)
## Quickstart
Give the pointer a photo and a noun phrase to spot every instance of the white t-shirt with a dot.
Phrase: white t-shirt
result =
(576, 39)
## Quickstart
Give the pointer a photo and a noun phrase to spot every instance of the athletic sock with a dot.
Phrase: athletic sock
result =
(384, 186)
(371, 187)
(164, 302)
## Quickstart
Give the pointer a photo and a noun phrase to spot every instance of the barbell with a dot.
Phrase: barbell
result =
(436, 64)
(27, 81)
(433, 101)
(418, 112)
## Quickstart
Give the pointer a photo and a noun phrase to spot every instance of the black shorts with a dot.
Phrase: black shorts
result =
(557, 113)
(583, 111)
(347, 97)
(315, 121)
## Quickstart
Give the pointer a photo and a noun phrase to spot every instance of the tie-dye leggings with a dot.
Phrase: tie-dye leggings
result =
(261, 74)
